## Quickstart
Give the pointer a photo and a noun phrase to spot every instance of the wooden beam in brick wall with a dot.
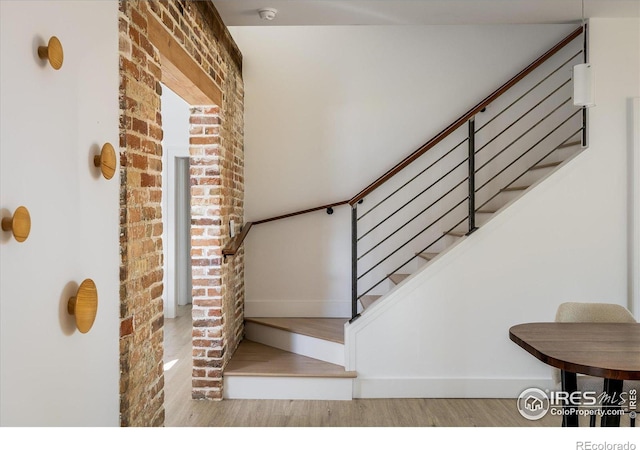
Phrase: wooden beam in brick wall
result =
(180, 72)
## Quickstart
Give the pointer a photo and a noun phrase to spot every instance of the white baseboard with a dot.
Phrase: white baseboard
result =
(444, 387)
(269, 308)
(331, 352)
(287, 388)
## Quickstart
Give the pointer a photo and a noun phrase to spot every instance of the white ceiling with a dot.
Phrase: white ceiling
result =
(417, 12)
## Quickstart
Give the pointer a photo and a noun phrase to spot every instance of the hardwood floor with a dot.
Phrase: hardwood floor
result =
(182, 411)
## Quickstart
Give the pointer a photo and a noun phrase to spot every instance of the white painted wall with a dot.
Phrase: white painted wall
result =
(175, 144)
(52, 124)
(445, 334)
(327, 111)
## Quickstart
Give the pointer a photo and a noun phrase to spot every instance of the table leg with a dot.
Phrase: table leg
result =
(612, 390)
(569, 385)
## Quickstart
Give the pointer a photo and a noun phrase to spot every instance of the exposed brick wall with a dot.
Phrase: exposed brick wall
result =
(198, 28)
(217, 187)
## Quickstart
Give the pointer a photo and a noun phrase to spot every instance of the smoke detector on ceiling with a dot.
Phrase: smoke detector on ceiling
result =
(267, 13)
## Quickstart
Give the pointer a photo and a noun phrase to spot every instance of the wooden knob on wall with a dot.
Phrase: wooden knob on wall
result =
(84, 306)
(52, 52)
(19, 224)
(106, 160)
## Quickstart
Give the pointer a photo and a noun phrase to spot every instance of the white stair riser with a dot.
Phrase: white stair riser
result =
(382, 288)
(502, 199)
(288, 388)
(328, 351)
(534, 176)
(481, 219)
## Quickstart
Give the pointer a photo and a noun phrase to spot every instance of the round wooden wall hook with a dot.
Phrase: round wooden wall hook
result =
(84, 306)
(19, 224)
(52, 52)
(106, 160)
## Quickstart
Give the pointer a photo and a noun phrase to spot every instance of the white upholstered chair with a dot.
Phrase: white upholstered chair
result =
(593, 312)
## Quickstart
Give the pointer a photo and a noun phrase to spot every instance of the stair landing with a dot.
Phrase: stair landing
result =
(321, 328)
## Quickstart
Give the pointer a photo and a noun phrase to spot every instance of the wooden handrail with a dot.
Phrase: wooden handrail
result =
(297, 213)
(468, 115)
(235, 243)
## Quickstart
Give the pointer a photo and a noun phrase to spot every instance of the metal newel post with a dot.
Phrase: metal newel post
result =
(354, 260)
(472, 176)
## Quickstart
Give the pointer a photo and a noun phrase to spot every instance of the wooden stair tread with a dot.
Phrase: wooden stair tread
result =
(487, 211)
(254, 359)
(456, 233)
(368, 300)
(569, 144)
(427, 256)
(546, 165)
(317, 327)
(515, 188)
(398, 278)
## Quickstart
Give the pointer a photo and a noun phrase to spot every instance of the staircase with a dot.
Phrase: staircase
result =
(290, 358)
(507, 195)
(440, 194)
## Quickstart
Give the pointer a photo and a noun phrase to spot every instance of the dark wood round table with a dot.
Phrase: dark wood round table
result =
(607, 350)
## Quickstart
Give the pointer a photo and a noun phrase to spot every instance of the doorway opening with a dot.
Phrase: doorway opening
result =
(176, 203)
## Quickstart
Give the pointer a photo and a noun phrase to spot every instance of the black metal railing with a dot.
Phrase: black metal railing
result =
(466, 170)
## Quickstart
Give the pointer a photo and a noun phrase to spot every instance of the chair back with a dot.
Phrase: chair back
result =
(593, 312)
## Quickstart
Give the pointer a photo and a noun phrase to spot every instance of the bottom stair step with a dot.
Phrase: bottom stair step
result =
(257, 371)
(317, 338)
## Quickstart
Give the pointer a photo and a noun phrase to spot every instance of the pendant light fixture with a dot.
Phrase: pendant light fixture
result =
(583, 82)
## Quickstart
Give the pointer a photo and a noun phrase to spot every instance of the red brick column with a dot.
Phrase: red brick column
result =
(206, 252)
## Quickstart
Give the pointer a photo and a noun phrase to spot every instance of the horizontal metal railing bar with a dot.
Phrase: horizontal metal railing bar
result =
(533, 165)
(465, 218)
(530, 90)
(414, 217)
(411, 239)
(414, 198)
(523, 134)
(415, 256)
(529, 149)
(297, 213)
(412, 179)
(462, 201)
(465, 117)
(523, 116)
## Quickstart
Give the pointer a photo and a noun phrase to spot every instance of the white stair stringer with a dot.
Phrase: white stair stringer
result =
(328, 351)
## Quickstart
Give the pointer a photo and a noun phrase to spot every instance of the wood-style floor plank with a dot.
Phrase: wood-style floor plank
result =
(182, 411)
(327, 329)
